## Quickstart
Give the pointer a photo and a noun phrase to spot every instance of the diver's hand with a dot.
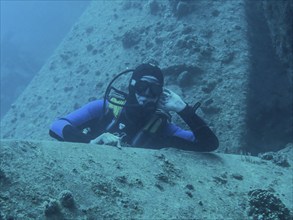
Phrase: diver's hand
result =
(107, 139)
(170, 101)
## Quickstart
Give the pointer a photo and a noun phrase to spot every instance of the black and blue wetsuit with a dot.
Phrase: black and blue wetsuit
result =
(90, 117)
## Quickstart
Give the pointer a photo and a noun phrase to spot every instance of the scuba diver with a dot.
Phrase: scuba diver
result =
(139, 119)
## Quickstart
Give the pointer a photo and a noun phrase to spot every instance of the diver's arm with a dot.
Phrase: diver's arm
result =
(71, 134)
(205, 139)
(66, 129)
(63, 130)
(201, 138)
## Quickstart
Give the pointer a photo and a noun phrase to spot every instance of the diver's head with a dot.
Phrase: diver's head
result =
(146, 85)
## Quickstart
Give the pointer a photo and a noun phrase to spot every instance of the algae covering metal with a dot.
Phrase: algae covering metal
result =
(56, 180)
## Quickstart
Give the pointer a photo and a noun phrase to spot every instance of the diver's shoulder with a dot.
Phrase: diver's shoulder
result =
(96, 103)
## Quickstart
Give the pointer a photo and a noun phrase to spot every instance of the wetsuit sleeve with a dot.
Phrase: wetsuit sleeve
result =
(67, 128)
(200, 138)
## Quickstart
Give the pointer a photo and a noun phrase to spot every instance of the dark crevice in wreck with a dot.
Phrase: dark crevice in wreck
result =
(269, 100)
